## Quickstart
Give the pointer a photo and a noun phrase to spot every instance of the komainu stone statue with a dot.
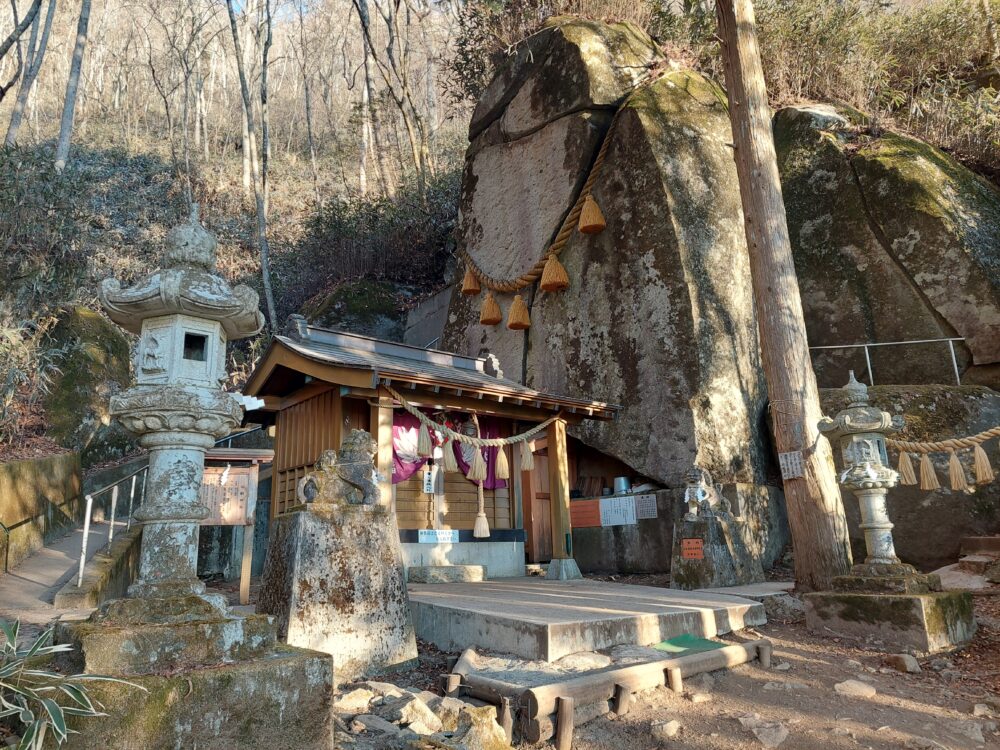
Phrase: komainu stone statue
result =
(334, 577)
(349, 478)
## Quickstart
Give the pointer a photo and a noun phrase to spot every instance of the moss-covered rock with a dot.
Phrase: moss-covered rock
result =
(573, 64)
(894, 240)
(371, 308)
(95, 365)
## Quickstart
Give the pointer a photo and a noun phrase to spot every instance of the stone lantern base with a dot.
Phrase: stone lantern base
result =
(213, 679)
(893, 608)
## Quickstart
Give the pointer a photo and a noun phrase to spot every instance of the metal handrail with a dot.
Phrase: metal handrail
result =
(228, 439)
(144, 470)
(868, 361)
(6, 549)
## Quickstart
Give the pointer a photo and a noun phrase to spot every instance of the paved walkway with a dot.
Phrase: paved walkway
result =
(27, 592)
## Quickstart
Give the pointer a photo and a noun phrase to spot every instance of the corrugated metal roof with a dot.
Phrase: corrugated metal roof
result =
(401, 362)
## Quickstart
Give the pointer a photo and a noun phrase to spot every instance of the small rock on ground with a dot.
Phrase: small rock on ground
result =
(903, 663)
(585, 660)
(665, 730)
(855, 689)
(354, 702)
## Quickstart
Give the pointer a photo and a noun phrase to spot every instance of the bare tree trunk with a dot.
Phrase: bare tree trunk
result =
(19, 27)
(365, 142)
(35, 59)
(247, 162)
(265, 116)
(307, 95)
(72, 86)
(815, 509)
(265, 251)
(376, 141)
(991, 30)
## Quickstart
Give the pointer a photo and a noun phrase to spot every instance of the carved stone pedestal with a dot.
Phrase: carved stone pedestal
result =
(893, 608)
(334, 577)
(213, 679)
(709, 552)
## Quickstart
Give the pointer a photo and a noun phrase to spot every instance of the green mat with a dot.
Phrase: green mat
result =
(687, 644)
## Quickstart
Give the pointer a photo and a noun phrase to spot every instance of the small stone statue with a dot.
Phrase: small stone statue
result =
(349, 478)
(702, 497)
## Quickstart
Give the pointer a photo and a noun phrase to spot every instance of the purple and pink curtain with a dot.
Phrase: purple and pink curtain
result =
(406, 462)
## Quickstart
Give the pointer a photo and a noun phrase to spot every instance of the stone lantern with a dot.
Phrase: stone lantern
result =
(860, 430)
(238, 682)
(883, 601)
(183, 314)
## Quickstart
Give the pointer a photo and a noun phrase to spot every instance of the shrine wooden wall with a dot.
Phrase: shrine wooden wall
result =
(305, 429)
(302, 432)
(459, 505)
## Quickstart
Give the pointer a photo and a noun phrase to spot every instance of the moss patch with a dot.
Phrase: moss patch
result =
(372, 308)
(95, 365)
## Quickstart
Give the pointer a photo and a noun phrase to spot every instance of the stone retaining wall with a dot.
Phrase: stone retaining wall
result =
(39, 501)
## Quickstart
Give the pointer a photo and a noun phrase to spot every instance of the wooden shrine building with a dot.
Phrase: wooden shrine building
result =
(319, 384)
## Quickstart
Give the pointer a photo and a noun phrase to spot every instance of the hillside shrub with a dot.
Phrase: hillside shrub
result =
(400, 239)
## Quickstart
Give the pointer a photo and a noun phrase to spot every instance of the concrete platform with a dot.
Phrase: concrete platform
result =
(542, 619)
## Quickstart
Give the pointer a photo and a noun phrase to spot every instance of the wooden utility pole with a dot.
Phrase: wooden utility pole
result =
(815, 509)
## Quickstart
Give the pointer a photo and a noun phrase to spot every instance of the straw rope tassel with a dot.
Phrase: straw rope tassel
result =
(450, 462)
(906, 475)
(984, 472)
(481, 529)
(527, 456)
(591, 218)
(956, 473)
(518, 318)
(489, 314)
(470, 284)
(503, 466)
(928, 478)
(554, 276)
(425, 448)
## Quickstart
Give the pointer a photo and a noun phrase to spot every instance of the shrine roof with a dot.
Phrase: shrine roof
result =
(363, 363)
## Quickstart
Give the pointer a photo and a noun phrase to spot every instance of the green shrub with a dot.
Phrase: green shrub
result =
(400, 239)
(37, 697)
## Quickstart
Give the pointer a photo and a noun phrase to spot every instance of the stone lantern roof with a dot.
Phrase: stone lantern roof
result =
(859, 416)
(188, 284)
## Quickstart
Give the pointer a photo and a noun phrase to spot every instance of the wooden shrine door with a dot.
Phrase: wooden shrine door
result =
(537, 514)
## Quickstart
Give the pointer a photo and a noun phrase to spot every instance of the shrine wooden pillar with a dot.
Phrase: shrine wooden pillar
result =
(381, 430)
(562, 565)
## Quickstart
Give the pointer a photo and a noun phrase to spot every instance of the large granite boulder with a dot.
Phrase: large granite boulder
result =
(930, 525)
(659, 313)
(894, 241)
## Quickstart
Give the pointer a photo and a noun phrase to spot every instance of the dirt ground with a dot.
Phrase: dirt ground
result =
(925, 711)
(908, 711)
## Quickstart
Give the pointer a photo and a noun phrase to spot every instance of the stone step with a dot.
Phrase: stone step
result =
(544, 619)
(446, 573)
(103, 648)
(976, 563)
(536, 569)
(981, 545)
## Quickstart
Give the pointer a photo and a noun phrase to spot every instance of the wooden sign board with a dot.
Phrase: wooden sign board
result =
(692, 549)
(230, 494)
